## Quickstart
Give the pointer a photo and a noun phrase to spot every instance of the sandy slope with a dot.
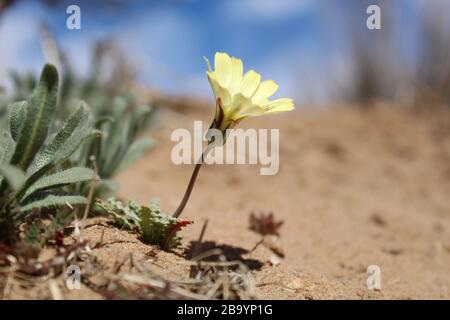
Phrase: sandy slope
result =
(354, 188)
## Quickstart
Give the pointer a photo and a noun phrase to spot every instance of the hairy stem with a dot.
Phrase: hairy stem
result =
(190, 186)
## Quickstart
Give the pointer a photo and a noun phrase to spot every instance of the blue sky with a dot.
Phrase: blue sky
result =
(300, 44)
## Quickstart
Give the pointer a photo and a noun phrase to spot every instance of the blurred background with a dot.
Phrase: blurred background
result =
(320, 51)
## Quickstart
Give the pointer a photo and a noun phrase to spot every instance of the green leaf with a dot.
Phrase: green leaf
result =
(13, 175)
(95, 146)
(59, 179)
(33, 234)
(68, 148)
(137, 121)
(7, 150)
(105, 187)
(125, 216)
(154, 224)
(17, 118)
(103, 120)
(61, 146)
(151, 232)
(38, 233)
(40, 110)
(63, 153)
(77, 122)
(53, 200)
(114, 140)
(117, 145)
(136, 150)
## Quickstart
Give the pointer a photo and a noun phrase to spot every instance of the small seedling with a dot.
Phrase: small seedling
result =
(153, 226)
(268, 228)
(265, 224)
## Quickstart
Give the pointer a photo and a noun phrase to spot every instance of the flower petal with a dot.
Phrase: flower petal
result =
(219, 91)
(252, 110)
(222, 64)
(280, 105)
(250, 83)
(208, 64)
(237, 72)
(243, 107)
(266, 89)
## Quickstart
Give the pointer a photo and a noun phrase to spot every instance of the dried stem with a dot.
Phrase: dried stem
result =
(90, 199)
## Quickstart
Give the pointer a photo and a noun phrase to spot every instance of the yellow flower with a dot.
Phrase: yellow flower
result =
(240, 95)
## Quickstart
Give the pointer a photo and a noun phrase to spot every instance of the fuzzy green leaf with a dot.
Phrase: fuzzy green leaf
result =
(77, 122)
(63, 153)
(38, 118)
(106, 186)
(17, 117)
(155, 225)
(125, 216)
(114, 140)
(54, 201)
(59, 179)
(118, 145)
(118, 113)
(13, 176)
(7, 148)
(136, 150)
(137, 121)
(61, 147)
(150, 233)
(103, 120)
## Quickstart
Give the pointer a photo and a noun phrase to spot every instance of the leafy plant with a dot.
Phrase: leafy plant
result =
(153, 226)
(22, 86)
(37, 233)
(119, 146)
(117, 113)
(114, 108)
(33, 164)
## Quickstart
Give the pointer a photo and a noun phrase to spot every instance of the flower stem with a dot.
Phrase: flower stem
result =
(187, 194)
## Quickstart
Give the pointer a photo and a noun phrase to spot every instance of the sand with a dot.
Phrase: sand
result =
(355, 188)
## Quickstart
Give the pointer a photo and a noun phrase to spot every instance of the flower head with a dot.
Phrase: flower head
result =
(239, 95)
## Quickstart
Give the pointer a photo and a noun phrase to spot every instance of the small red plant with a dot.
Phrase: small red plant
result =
(265, 224)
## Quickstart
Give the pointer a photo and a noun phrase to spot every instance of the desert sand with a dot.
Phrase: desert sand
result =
(355, 188)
